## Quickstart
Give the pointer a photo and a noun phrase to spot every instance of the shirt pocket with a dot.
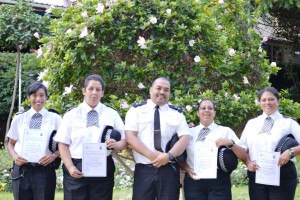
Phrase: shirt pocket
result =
(145, 123)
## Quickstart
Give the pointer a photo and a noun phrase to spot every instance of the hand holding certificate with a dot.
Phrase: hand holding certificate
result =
(269, 171)
(94, 160)
(205, 160)
(34, 144)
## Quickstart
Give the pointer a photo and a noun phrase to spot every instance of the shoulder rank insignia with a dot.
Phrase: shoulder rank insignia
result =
(72, 108)
(288, 117)
(110, 107)
(175, 108)
(139, 104)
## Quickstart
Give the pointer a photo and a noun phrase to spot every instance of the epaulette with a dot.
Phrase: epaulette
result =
(175, 108)
(139, 104)
(111, 107)
(288, 117)
(72, 108)
(54, 111)
(21, 112)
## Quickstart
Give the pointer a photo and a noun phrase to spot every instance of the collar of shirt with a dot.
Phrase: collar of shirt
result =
(152, 105)
(211, 126)
(32, 112)
(274, 116)
(87, 108)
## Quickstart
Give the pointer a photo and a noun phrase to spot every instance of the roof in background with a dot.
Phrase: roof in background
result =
(43, 4)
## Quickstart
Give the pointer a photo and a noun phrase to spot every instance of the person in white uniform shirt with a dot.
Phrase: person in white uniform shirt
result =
(155, 177)
(85, 124)
(210, 189)
(263, 134)
(33, 180)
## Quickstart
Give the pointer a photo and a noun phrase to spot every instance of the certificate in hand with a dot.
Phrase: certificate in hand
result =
(205, 160)
(269, 171)
(34, 146)
(94, 160)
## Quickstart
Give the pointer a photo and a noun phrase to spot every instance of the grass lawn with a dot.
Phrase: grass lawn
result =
(238, 193)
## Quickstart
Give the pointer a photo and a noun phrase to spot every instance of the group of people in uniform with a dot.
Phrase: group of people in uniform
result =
(162, 144)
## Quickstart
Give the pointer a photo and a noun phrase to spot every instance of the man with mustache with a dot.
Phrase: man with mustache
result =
(149, 126)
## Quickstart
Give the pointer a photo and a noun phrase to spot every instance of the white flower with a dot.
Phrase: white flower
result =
(168, 11)
(256, 102)
(42, 74)
(49, 10)
(46, 84)
(199, 100)
(197, 59)
(226, 94)
(69, 31)
(126, 94)
(39, 52)
(68, 90)
(124, 104)
(191, 42)
(141, 86)
(100, 8)
(231, 52)
(236, 97)
(273, 64)
(188, 108)
(219, 27)
(221, 1)
(245, 80)
(153, 20)
(84, 32)
(84, 14)
(142, 42)
(226, 11)
(36, 34)
(265, 39)
(259, 49)
(191, 124)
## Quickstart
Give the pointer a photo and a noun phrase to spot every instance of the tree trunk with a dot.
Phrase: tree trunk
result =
(15, 90)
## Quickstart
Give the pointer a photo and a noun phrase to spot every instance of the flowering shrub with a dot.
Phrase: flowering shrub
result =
(239, 176)
(5, 165)
(208, 49)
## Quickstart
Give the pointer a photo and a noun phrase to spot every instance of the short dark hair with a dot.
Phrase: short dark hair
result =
(268, 89)
(161, 78)
(94, 77)
(199, 104)
(34, 87)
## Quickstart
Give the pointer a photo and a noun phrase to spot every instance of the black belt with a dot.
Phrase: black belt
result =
(31, 164)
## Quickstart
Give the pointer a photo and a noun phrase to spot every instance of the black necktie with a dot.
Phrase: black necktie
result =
(203, 133)
(92, 119)
(268, 124)
(36, 121)
(157, 133)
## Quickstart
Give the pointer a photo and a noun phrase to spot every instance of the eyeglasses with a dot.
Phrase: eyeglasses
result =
(206, 108)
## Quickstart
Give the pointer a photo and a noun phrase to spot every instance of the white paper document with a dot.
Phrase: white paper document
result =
(35, 143)
(94, 160)
(205, 160)
(269, 171)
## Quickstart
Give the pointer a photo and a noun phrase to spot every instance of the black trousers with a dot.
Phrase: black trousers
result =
(33, 182)
(151, 183)
(89, 188)
(286, 190)
(208, 189)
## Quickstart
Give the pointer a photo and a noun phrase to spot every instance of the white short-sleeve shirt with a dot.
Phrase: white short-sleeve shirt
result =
(256, 141)
(216, 132)
(73, 130)
(141, 119)
(50, 122)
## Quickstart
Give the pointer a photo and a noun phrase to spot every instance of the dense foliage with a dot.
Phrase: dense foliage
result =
(208, 49)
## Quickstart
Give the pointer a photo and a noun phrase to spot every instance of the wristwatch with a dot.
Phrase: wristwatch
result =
(55, 155)
(292, 152)
(171, 157)
(231, 145)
